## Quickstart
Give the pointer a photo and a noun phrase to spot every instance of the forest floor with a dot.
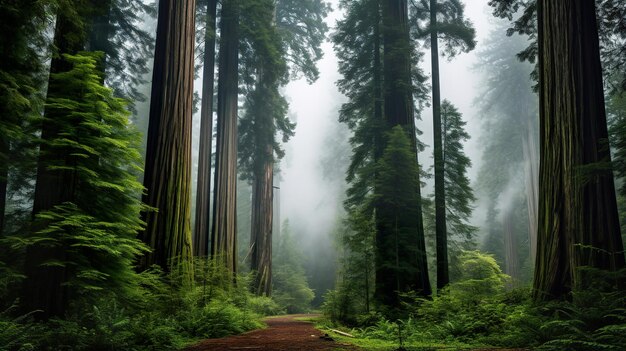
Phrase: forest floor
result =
(295, 333)
(291, 332)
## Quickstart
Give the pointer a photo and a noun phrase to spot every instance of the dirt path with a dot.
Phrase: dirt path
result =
(282, 333)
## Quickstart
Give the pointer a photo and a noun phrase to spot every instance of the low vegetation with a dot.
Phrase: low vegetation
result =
(479, 310)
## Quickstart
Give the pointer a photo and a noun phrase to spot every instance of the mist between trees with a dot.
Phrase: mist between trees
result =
(177, 170)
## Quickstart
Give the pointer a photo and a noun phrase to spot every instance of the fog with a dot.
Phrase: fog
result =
(308, 197)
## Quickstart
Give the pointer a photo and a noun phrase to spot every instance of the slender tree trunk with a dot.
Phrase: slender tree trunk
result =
(443, 276)
(202, 230)
(100, 31)
(224, 227)
(511, 257)
(531, 170)
(261, 233)
(578, 220)
(168, 156)
(276, 210)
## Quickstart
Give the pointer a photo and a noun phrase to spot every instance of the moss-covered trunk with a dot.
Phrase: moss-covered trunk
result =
(578, 221)
(202, 232)
(261, 233)
(168, 155)
(224, 227)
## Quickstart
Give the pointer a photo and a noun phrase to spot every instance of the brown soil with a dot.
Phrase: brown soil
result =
(282, 333)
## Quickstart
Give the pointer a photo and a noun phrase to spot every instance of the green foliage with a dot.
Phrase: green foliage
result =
(459, 193)
(159, 314)
(456, 33)
(302, 28)
(478, 311)
(611, 31)
(352, 297)
(96, 232)
(290, 287)
(22, 76)
(594, 319)
(400, 261)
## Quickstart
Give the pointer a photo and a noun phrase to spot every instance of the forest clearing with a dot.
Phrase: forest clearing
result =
(312, 175)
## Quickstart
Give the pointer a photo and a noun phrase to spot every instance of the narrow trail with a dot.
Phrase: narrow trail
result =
(282, 333)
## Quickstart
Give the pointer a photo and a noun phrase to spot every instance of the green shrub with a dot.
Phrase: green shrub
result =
(265, 306)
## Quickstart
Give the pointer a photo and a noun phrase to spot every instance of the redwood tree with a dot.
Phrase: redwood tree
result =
(399, 111)
(201, 231)
(224, 226)
(168, 155)
(578, 221)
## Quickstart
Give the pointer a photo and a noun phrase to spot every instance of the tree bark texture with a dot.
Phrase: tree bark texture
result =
(511, 257)
(43, 286)
(578, 221)
(398, 110)
(531, 170)
(202, 228)
(224, 227)
(261, 233)
(441, 235)
(168, 156)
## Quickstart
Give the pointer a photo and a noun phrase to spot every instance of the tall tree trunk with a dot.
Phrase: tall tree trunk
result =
(511, 257)
(531, 170)
(168, 155)
(202, 230)
(100, 31)
(224, 227)
(276, 221)
(261, 233)
(43, 287)
(441, 235)
(398, 110)
(578, 220)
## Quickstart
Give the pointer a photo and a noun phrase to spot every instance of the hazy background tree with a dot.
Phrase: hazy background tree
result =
(508, 176)
(201, 232)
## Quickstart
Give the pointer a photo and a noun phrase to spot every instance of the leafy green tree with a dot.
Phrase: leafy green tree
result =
(21, 80)
(374, 36)
(86, 244)
(460, 196)
(266, 114)
(268, 45)
(399, 253)
(357, 276)
(445, 19)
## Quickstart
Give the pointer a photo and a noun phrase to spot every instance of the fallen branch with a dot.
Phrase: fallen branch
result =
(342, 333)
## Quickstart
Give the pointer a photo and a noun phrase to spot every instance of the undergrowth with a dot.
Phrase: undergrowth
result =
(159, 314)
(479, 311)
